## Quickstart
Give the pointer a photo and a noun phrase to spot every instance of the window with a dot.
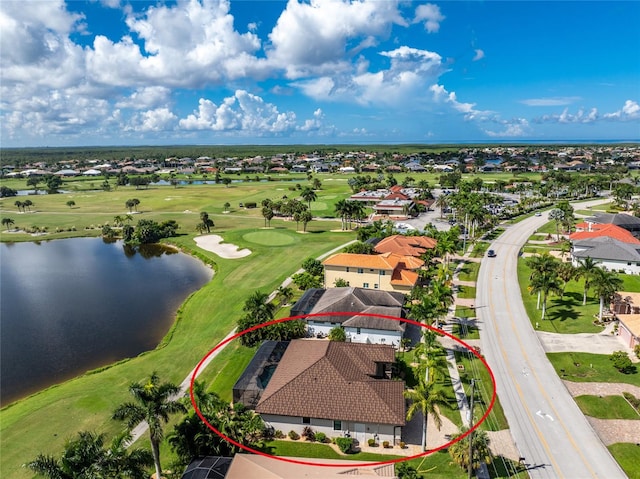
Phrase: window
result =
(337, 425)
(365, 285)
(382, 272)
(306, 420)
(375, 285)
(347, 269)
(357, 330)
(360, 270)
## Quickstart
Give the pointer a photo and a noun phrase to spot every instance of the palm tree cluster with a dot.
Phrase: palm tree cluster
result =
(349, 211)
(549, 275)
(191, 437)
(205, 224)
(24, 205)
(289, 208)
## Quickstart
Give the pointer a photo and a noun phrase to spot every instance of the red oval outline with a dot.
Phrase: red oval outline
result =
(351, 463)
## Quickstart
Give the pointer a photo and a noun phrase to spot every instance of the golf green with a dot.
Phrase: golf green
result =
(269, 238)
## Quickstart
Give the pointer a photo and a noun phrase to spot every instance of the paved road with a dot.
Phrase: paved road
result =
(549, 430)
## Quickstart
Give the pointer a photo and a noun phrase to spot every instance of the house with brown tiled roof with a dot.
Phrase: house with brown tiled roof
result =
(340, 389)
(387, 271)
(405, 245)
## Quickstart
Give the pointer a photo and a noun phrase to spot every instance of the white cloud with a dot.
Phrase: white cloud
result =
(565, 117)
(431, 16)
(629, 111)
(145, 98)
(242, 112)
(160, 119)
(441, 95)
(479, 55)
(513, 128)
(315, 37)
(553, 101)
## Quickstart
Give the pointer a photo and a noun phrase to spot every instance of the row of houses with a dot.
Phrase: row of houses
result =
(342, 388)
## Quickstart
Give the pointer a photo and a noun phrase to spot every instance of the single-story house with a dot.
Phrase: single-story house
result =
(358, 328)
(340, 389)
(388, 271)
(609, 253)
(587, 230)
(628, 222)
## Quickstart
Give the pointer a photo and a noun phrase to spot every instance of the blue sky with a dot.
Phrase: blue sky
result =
(113, 72)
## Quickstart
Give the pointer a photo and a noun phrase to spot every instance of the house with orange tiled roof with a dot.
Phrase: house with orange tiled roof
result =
(337, 388)
(588, 230)
(387, 271)
(406, 245)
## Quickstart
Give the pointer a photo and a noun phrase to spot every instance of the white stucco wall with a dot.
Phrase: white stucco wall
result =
(365, 335)
(361, 432)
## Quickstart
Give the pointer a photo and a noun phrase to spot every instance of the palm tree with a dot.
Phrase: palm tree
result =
(606, 284)
(86, 457)
(342, 209)
(20, 205)
(545, 283)
(257, 306)
(118, 221)
(442, 202)
(557, 215)
(586, 269)
(426, 398)
(206, 221)
(268, 214)
(432, 363)
(154, 403)
(445, 246)
(285, 294)
(541, 264)
(308, 195)
(305, 217)
(226, 206)
(71, 203)
(27, 204)
(459, 450)
(566, 272)
(7, 222)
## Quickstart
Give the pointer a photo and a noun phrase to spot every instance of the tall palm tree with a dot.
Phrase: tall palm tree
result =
(557, 215)
(308, 195)
(566, 272)
(586, 270)
(342, 209)
(442, 202)
(605, 284)
(206, 221)
(7, 222)
(541, 264)
(305, 217)
(545, 283)
(153, 402)
(432, 364)
(426, 398)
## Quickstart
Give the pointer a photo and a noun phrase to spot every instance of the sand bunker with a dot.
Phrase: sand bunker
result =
(214, 244)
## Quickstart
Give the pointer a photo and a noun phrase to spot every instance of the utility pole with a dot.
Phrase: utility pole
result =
(470, 436)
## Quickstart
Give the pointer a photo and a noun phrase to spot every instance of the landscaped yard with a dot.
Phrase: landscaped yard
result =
(607, 407)
(587, 367)
(628, 456)
(469, 271)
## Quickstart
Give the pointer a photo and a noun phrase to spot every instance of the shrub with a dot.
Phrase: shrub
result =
(321, 437)
(294, 436)
(402, 445)
(344, 444)
(371, 442)
(622, 362)
(636, 350)
(634, 401)
(308, 434)
(251, 204)
(278, 434)
(385, 444)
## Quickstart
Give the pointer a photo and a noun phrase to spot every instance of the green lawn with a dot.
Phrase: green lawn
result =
(473, 368)
(628, 456)
(564, 315)
(469, 271)
(303, 448)
(463, 331)
(607, 407)
(588, 367)
(466, 292)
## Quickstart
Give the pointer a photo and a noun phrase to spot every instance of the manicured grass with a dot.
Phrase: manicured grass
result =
(226, 368)
(479, 249)
(465, 332)
(628, 456)
(52, 416)
(588, 367)
(466, 292)
(564, 315)
(474, 369)
(270, 238)
(465, 312)
(607, 407)
(469, 271)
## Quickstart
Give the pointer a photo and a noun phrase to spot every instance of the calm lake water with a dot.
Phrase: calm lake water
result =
(69, 306)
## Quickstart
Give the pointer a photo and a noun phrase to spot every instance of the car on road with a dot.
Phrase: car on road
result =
(491, 253)
(538, 213)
